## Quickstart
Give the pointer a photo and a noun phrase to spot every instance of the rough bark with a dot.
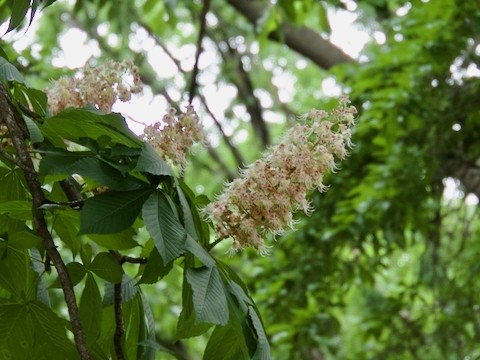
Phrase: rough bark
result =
(16, 128)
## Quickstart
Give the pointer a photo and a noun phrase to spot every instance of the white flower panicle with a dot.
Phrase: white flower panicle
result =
(174, 135)
(100, 86)
(262, 201)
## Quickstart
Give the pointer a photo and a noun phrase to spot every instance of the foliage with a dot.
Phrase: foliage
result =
(97, 186)
(385, 268)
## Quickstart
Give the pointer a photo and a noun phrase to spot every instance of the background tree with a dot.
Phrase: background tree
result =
(387, 265)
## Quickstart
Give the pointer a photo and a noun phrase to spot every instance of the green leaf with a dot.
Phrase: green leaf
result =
(150, 162)
(164, 226)
(12, 184)
(19, 10)
(209, 298)
(107, 267)
(76, 272)
(51, 333)
(62, 162)
(105, 340)
(129, 290)
(228, 341)
(323, 22)
(134, 316)
(66, 226)
(24, 240)
(18, 209)
(37, 99)
(16, 331)
(263, 348)
(188, 207)
(90, 309)
(112, 211)
(269, 21)
(16, 274)
(149, 345)
(36, 135)
(76, 124)
(154, 269)
(8, 72)
(200, 253)
(30, 98)
(86, 253)
(187, 325)
(119, 241)
(39, 268)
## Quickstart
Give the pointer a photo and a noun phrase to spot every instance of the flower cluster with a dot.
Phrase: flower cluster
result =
(262, 200)
(174, 135)
(100, 86)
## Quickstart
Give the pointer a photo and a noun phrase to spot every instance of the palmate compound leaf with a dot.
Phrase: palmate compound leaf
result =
(112, 211)
(164, 226)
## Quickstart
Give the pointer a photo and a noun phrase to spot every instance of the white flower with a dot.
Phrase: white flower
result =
(100, 86)
(174, 135)
(262, 200)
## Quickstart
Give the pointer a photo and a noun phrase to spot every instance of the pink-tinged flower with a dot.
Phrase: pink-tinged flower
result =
(174, 135)
(262, 201)
(100, 86)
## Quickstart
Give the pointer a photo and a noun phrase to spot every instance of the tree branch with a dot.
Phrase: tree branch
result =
(303, 40)
(117, 304)
(119, 325)
(9, 116)
(236, 154)
(245, 87)
(201, 35)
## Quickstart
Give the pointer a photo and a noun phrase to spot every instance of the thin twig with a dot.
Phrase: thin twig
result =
(201, 34)
(15, 129)
(133, 260)
(236, 154)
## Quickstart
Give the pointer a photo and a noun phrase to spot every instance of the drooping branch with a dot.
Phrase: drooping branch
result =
(302, 39)
(10, 118)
